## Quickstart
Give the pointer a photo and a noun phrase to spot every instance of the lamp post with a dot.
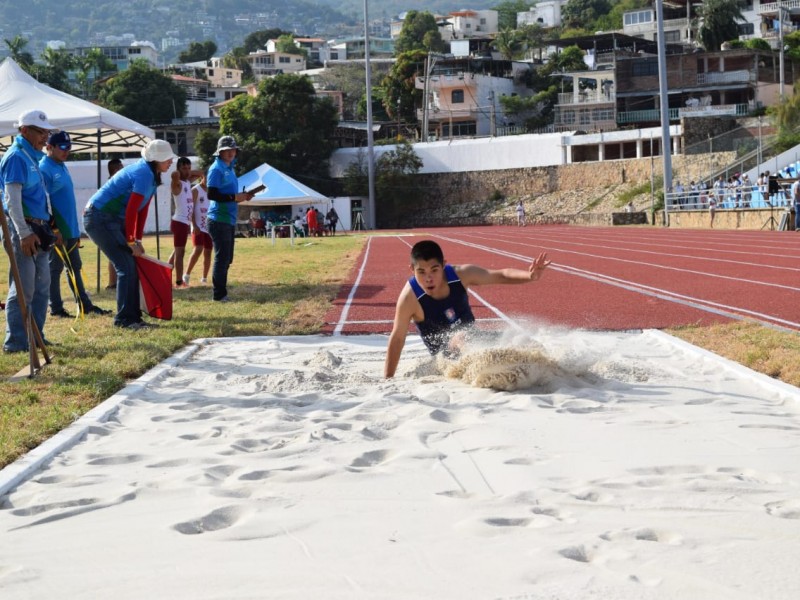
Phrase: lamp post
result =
(398, 117)
(666, 144)
(370, 143)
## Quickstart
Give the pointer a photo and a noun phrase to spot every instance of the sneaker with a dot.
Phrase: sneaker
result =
(203, 280)
(223, 299)
(96, 310)
(186, 277)
(60, 313)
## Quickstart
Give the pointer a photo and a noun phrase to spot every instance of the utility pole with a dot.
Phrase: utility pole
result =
(492, 116)
(666, 143)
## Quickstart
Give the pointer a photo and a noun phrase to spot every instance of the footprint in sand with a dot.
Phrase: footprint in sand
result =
(370, 459)
(218, 519)
(645, 534)
(784, 509)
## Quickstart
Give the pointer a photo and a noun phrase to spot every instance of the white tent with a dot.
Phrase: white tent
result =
(91, 127)
(280, 188)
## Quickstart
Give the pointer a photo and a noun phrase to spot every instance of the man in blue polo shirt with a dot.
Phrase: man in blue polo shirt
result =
(59, 186)
(25, 202)
(224, 196)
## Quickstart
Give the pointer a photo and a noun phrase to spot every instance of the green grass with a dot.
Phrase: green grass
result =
(280, 290)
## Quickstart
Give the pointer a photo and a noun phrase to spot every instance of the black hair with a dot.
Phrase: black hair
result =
(113, 162)
(426, 250)
(156, 173)
(183, 161)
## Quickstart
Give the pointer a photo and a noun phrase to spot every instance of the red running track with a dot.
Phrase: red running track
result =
(601, 278)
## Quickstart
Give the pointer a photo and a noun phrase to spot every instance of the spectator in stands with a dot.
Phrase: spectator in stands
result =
(795, 193)
(747, 191)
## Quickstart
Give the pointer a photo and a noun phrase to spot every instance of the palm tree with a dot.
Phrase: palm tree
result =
(508, 43)
(92, 66)
(16, 47)
(719, 22)
(55, 69)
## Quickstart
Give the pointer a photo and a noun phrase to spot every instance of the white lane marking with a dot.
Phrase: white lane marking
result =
(349, 301)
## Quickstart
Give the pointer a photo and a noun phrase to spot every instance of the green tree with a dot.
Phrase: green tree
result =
(90, 67)
(581, 14)
(613, 19)
(197, 52)
(350, 79)
(16, 48)
(144, 94)
(258, 39)
(285, 125)
(419, 32)
(399, 86)
(237, 59)
(509, 43)
(285, 43)
(507, 12)
(719, 22)
(54, 69)
(396, 190)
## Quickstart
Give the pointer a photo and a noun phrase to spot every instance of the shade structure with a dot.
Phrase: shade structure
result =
(91, 127)
(155, 287)
(280, 188)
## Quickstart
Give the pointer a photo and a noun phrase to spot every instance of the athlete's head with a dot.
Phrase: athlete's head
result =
(426, 250)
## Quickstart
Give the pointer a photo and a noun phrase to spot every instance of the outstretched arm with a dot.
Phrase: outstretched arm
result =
(403, 313)
(475, 275)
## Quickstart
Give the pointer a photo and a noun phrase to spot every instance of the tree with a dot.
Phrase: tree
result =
(581, 14)
(399, 85)
(16, 47)
(395, 185)
(198, 52)
(258, 39)
(350, 79)
(55, 68)
(419, 32)
(92, 66)
(719, 22)
(508, 43)
(285, 43)
(507, 12)
(286, 125)
(144, 94)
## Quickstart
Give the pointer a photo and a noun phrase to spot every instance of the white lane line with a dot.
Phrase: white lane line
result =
(349, 301)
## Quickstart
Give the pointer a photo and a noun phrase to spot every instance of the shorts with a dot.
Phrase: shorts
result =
(200, 239)
(180, 233)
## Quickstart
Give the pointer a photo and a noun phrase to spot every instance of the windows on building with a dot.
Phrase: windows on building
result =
(457, 97)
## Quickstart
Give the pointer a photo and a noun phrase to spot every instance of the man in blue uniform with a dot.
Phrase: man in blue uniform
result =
(59, 185)
(25, 203)
(435, 298)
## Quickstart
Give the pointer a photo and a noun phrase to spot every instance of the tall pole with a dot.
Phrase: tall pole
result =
(370, 143)
(780, 42)
(666, 144)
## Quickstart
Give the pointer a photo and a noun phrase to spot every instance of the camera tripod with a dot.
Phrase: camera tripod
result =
(771, 222)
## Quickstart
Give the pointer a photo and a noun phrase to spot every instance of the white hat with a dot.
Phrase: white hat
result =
(34, 118)
(157, 150)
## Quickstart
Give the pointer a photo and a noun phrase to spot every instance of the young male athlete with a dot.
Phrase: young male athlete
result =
(435, 298)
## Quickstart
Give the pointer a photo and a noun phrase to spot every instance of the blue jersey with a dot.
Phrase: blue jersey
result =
(21, 165)
(444, 316)
(113, 197)
(62, 196)
(223, 177)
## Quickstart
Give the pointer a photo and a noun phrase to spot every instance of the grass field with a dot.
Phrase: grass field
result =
(281, 290)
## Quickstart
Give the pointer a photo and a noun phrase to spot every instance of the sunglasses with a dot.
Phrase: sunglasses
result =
(64, 147)
(38, 130)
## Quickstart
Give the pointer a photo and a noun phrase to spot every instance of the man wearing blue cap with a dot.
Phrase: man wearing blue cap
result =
(25, 203)
(59, 185)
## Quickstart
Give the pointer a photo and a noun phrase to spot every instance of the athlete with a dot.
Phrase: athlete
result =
(435, 298)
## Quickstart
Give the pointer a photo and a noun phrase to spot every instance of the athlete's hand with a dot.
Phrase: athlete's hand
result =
(539, 264)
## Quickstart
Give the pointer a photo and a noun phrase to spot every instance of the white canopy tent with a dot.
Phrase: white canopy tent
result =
(91, 127)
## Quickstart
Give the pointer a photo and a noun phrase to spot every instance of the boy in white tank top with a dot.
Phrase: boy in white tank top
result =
(200, 239)
(181, 222)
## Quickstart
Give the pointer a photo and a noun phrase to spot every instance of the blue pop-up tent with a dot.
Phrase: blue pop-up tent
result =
(280, 188)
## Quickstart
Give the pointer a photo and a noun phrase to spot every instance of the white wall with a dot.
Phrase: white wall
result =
(481, 154)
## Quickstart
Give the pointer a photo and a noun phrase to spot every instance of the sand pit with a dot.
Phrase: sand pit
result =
(619, 466)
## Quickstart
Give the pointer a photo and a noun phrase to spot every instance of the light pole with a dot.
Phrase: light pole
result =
(398, 117)
(370, 143)
(666, 144)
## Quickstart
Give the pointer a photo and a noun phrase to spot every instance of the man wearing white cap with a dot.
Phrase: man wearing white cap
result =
(26, 204)
(114, 219)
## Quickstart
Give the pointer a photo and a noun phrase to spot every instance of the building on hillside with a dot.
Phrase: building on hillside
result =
(620, 88)
(121, 56)
(214, 70)
(181, 133)
(353, 48)
(197, 95)
(312, 46)
(461, 95)
(545, 14)
(463, 24)
(267, 64)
